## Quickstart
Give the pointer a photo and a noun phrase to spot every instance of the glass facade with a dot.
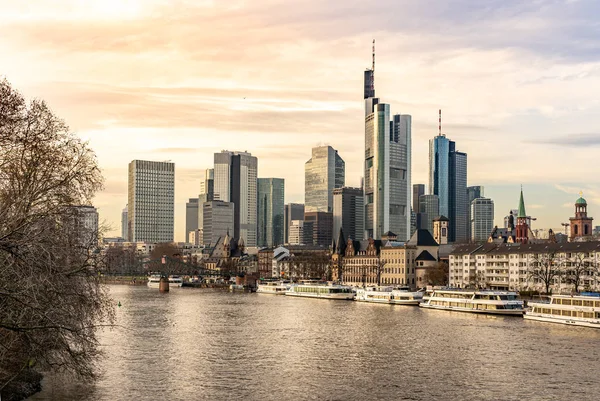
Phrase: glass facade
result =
(218, 221)
(191, 217)
(292, 211)
(151, 193)
(428, 209)
(482, 218)
(348, 211)
(324, 172)
(270, 211)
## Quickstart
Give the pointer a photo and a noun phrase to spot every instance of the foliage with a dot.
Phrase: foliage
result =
(51, 301)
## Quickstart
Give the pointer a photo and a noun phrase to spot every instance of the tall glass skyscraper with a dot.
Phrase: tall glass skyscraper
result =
(207, 194)
(151, 194)
(235, 180)
(448, 180)
(482, 219)
(270, 211)
(323, 172)
(348, 212)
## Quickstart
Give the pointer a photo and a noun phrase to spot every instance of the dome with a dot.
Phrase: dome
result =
(580, 201)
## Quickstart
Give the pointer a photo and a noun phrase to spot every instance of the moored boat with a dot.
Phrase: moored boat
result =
(326, 291)
(154, 281)
(273, 287)
(389, 295)
(576, 310)
(175, 281)
(475, 301)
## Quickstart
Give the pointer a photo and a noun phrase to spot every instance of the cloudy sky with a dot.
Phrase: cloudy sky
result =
(518, 83)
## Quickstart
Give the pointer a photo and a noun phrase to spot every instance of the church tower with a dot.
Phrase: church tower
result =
(581, 224)
(522, 228)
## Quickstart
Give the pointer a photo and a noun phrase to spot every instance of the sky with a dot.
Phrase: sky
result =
(179, 80)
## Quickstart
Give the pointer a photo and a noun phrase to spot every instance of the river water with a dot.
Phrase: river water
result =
(196, 344)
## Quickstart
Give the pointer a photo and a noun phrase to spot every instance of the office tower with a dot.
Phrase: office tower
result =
(218, 220)
(308, 232)
(348, 209)
(448, 180)
(124, 223)
(235, 176)
(322, 228)
(323, 172)
(151, 193)
(429, 209)
(191, 217)
(292, 211)
(207, 194)
(296, 234)
(83, 222)
(482, 219)
(473, 192)
(418, 190)
(387, 167)
(270, 211)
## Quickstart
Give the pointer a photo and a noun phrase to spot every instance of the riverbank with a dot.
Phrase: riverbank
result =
(23, 386)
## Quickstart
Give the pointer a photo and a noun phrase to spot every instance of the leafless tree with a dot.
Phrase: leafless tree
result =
(545, 268)
(576, 268)
(51, 301)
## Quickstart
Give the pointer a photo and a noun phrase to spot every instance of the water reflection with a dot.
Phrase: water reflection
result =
(202, 344)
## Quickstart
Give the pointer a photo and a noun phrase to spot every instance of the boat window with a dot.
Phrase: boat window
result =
(566, 302)
(588, 303)
(577, 302)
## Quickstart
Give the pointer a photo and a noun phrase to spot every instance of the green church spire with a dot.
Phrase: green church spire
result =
(521, 206)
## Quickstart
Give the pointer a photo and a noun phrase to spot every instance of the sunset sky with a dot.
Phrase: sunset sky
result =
(518, 83)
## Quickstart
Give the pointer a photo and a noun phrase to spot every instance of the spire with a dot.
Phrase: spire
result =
(521, 206)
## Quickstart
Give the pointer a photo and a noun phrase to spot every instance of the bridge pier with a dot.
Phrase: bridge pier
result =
(163, 285)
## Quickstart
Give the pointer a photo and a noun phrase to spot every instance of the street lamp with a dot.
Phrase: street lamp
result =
(565, 225)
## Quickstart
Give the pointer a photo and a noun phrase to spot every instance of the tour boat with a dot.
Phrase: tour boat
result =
(236, 287)
(175, 281)
(489, 302)
(273, 287)
(389, 295)
(327, 291)
(154, 281)
(577, 310)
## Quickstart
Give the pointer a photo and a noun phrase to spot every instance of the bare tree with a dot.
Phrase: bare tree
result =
(437, 275)
(51, 301)
(545, 268)
(576, 268)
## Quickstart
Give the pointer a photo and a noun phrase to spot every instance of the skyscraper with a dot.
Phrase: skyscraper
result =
(323, 172)
(207, 194)
(348, 209)
(418, 190)
(429, 209)
(387, 168)
(270, 211)
(482, 219)
(473, 192)
(191, 217)
(150, 206)
(218, 221)
(320, 224)
(448, 180)
(292, 211)
(235, 180)
(124, 223)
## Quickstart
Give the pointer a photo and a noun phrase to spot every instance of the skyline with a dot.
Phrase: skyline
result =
(519, 96)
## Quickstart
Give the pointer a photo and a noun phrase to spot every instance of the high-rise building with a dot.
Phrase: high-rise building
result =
(322, 228)
(83, 220)
(482, 219)
(150, 206)
(323, 172)
(207, 194)
(348, 212)
(448, 180)
(296, 234)
(429, 209)
(124, 223)
(191, 217)
(270, 211)
(387, 180)
(218, 220)
(235, 180)
(418, 190)
(292, 211)
(473, 192)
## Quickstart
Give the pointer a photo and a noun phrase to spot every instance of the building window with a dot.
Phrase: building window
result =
(575, 230)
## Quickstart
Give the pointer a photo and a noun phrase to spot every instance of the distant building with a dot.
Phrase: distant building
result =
(418, 190)
(473, 192)
(292, 211)
(429, 210)
(581, 224)
(124, 223)
(296, 234)
(270, 211)
(218, 221)
(235, 180)
(348, 209)
(84, 221)
(324, 172)
(191, 217)
(207, 194)
(482, 219)
(150, 206)
(322, 228)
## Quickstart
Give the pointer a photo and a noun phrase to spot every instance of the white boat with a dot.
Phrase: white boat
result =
(154, 281)
(175, 281)
(273, 287)
(389, 295)
(236, 287)
(326, 291)
(489, 302)
(577, 310)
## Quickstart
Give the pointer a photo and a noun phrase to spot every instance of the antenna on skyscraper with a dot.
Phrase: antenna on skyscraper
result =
(373, 69)
(440, 123)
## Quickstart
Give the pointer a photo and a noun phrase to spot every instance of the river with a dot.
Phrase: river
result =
(196, 344)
